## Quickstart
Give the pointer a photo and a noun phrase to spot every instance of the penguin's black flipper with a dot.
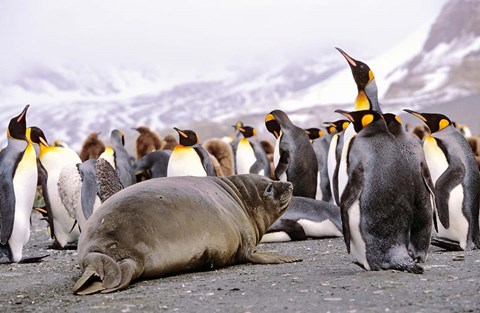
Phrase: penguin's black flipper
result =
(262, 162)
(207, 163)
(7, 205)
(282, 165)
(48, 207)
(89, 188)
(294, 230)
(452, 177)
(446, 244)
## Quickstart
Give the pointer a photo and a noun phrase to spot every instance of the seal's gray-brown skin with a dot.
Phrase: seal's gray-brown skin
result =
(166, 226)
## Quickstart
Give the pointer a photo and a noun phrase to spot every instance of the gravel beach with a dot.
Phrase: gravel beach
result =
(326, 281)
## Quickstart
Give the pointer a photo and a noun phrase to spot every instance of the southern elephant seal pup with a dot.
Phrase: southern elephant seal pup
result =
(171, 225)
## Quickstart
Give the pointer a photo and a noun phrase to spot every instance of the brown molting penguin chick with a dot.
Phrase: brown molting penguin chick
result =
(268, 146)
(170, 142)
(147, 141)
(421, 131)
(92, 147)
(222, 151)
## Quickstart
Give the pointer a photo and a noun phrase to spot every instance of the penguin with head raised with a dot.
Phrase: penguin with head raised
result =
(189, 158)
(18, 181)
(320, 143)
(414, 156)
(378, 202)
(294, 158)
(336, 130)
(250, 158)
(456, 178)
(119, 159)
(367, 99)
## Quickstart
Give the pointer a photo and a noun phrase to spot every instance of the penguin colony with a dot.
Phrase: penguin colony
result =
(363, 177)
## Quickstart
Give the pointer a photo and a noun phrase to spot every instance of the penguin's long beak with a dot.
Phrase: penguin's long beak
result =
(24, 112)
(181, 132)
(349, 59)
(416, 114)
(345, 113)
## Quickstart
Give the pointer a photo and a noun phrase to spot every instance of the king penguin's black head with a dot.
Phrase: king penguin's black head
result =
(360, 71)
(434, 121)
(187, 137)
(18, 125)
(37, 136)
(247, 131)
(314, 133)
(361, 119)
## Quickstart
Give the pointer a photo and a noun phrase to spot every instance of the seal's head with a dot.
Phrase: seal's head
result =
(265, 200)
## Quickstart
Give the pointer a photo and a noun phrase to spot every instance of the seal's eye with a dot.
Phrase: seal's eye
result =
(269, 191)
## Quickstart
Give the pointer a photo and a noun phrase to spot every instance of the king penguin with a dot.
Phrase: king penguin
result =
(18, 182)
(320, 143)
(250, 158)
(414, 156)
(456, 178)
(294, 158)
(63, 227)
(336, 130)
(189, 158)
(367, 99)
(377, 204)
(119, 159)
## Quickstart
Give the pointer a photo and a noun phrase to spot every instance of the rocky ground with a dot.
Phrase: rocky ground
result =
(326, 281)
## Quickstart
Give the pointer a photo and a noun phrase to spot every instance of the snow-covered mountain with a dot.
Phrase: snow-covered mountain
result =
(436, 64)
(448, 65)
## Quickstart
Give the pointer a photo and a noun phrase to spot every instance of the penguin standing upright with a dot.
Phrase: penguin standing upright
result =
(320, 143)
(367, 99)
(119, 159)
(456, 178)
(63, 227)
(337, 131)
(189, 158)
(18, 181)
(250, 158)
(412, 152)
(294, 158)
(378, 202)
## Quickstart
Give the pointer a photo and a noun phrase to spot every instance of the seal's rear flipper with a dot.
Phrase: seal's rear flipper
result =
(103, 274)
(33, 259)
(270, 258)
(446, 244)
(89, 283)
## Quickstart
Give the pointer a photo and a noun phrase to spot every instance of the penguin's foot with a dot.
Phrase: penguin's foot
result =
(33, 259)
(57, 246)
(446, 244)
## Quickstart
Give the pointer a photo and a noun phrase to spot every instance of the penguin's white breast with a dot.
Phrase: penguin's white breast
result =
(184, 161)
(276, 157)
(357, 244)
(245, 157)
(437, 163)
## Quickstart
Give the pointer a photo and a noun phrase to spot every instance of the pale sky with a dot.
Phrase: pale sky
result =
(187, 35)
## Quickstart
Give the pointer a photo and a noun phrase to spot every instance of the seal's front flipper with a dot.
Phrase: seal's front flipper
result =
(270, 258)
(33, 259)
